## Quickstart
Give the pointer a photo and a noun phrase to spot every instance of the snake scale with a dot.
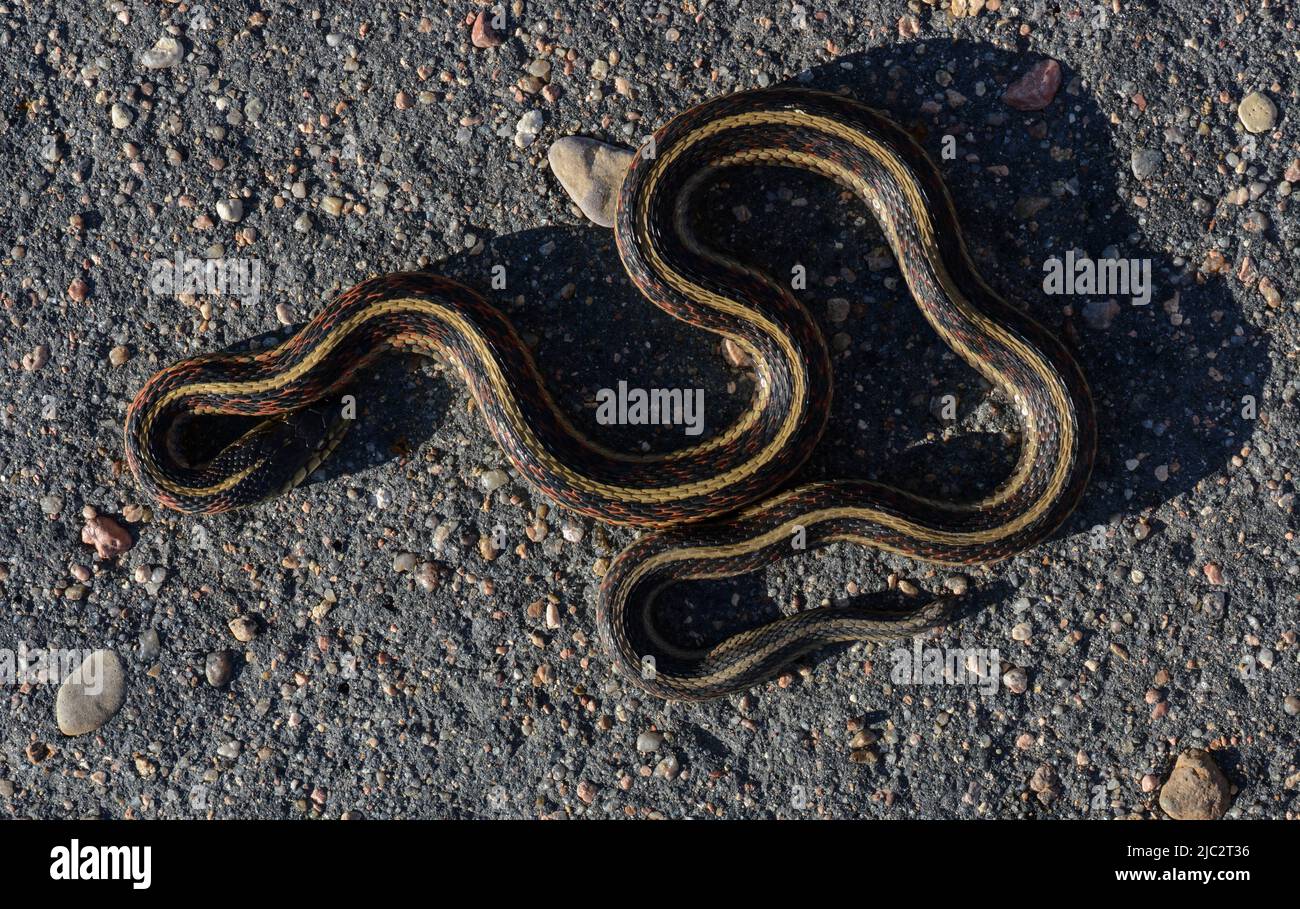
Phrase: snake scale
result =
(716, 509)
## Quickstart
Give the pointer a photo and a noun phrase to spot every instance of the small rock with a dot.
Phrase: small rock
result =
(231, 210)
(1036, 88)
(1257, 112)
(1196, 790)
(1016, 680)
(38, 357)
(91, 695)
(957, 584)
(243, 628)
(591, 172)
(647, 742)
(218, 667)
(492, 480)
(149, 644)
(427, 576)
(527, 128)
(165, 54)
(1145, 162)
(121, 115)
(107, 536)
(484, 34)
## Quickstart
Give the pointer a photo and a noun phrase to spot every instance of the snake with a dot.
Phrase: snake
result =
(721, 507)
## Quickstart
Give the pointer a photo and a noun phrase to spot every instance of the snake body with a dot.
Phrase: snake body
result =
(703, 504)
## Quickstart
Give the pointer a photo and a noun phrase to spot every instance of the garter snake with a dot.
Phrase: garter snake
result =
(703, 505)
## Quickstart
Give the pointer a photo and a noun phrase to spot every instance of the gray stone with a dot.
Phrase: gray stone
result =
(591, 173)
(91, 695)
(1146, 161)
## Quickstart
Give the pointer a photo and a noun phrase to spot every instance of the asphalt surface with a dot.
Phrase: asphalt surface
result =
(358, 142)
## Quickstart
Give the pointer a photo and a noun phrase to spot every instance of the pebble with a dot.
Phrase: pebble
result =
(121, 115)
(38, 357)
(591, 172)
(243, 628)
(219, 667)
(483, 35)
(1291, 704)
(332, 205)
(492, 480)
(647, 742)
(165, 54)
(1197, 789)
(119, 355)
(1016, 680)
(527, 128)
(1145, 162)
(957, 584)
(1257, 112)
(107, 536)
(231, 210)
(404, 562)
(427, 576)
(149, 644)
(1036, 88)
(91, 695)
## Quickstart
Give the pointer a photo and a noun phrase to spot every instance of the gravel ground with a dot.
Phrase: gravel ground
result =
(327, 146)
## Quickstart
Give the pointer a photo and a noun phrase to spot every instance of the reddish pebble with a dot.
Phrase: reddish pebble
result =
(483, 34)
(1036, 88)
(78, 290)
(1214, 573)
(107, 536)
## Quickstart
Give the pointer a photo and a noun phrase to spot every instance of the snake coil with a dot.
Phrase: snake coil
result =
(703, 504)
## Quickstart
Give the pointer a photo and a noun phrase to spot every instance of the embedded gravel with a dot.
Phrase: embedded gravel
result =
(348, 651)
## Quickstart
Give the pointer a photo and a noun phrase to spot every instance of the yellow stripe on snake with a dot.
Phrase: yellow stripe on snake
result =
(704, 504)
